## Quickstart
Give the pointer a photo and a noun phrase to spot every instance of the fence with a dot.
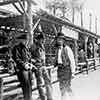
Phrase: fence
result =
(92, 63)
(9, 85)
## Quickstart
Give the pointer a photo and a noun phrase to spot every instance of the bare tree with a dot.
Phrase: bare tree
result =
(67, 7)
(52, 6)
(64, 7)
(77, 5)
(58, 5)
(28, 20)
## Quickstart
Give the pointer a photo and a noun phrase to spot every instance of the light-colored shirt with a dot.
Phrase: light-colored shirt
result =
(59, 55)
(71, 58)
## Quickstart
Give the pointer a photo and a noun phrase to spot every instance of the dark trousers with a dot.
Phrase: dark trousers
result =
(24, 78)
(64, 77)
(43, 77)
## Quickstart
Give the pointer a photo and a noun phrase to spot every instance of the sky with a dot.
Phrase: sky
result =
(93, 7)
(90, 6)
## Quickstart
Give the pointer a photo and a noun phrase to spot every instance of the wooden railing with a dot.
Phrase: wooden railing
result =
(11, 85)
(88, 64)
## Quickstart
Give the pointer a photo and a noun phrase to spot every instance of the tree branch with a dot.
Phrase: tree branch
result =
(7, 2)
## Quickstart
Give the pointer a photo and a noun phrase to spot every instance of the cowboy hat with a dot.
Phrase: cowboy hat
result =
(60, 35)
(39, 35)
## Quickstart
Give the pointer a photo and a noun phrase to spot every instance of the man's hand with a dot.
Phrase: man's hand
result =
(29, 66)
(33, 61)
(73, 75)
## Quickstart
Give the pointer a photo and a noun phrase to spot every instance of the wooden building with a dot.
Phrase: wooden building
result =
(14, 26)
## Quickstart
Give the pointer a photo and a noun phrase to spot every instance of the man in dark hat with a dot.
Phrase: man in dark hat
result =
(38, 56)
(66, 65)
(22, 57)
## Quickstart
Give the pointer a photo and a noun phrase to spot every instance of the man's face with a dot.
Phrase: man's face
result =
(60, 41)
(41, 41)
(24, 42)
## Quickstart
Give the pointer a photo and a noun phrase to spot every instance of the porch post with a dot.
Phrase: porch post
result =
(94, 47)
(29, 22)
(86, 40)
(94, 52)
(1, 89)
(76, 51)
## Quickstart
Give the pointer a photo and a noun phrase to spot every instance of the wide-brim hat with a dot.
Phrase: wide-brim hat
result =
(39, 35)
(60, 35)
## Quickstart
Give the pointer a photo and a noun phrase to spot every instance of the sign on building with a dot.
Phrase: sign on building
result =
(70, 33)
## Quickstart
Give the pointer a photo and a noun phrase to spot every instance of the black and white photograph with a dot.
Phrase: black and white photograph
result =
(49, 50)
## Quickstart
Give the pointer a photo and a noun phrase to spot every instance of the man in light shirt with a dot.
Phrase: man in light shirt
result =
(66, 65)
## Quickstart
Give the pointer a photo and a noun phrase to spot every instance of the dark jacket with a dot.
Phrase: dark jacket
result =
(38, 53)
(21, 55)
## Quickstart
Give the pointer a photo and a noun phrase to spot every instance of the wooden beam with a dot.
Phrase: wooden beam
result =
(36, 24)
(19, 1)
(17, 8)
(76, 28)
(53, 20)
(5, 14)
(55, 29)
(29, 23)
(7, 2)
